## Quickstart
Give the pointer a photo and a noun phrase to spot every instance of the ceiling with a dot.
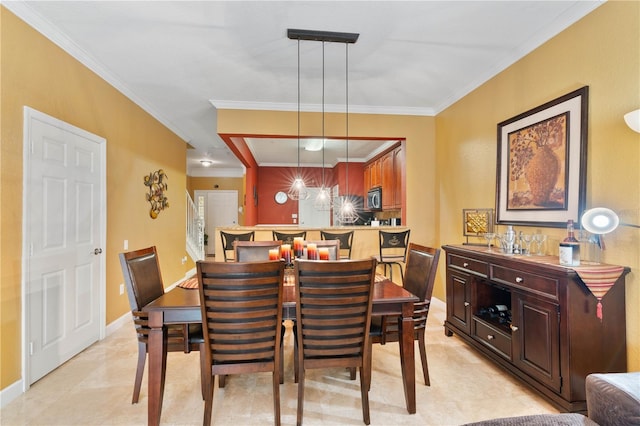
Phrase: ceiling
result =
(181, 60)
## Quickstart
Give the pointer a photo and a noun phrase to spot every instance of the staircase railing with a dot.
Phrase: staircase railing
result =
(195, 231)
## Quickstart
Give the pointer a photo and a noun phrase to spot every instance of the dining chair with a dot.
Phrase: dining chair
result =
(332, 245)
(227, 243)
(253, 251)
(241, 307)
(393, 250)
(419, 278)
(346, 241)
(287, 237)
(333, 313)
(143, 280)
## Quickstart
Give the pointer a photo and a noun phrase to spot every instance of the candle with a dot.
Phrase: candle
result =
(274, 254)
(312, 251)
(286, 252)
(298, 246)
(324, 253)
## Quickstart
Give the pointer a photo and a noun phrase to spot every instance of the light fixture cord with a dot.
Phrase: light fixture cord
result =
(347, 111)
(298, 152)
(323, 182)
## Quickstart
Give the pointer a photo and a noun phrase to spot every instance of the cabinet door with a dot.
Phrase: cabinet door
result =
(375, 174)
(367, 178)
(388, 182)
(458, 296)
(536, 338)
(398, 168)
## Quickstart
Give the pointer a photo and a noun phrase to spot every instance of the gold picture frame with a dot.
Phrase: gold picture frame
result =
(476, 222)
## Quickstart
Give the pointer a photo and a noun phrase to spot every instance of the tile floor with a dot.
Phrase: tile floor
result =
(94, 388)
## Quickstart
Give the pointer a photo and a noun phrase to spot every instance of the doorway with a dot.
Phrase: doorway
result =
(64, 233)
(220, 208)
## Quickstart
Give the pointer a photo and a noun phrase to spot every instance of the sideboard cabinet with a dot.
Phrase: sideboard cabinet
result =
(536, 319)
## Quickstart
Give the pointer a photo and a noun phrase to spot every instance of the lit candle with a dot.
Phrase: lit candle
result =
(312, 251)
(298, 246)
(324, 253)
(286, 252)
(274, 254)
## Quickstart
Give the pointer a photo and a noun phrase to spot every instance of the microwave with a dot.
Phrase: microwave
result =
(374, 199)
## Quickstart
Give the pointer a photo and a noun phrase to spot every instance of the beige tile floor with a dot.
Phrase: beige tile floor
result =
(94, 388)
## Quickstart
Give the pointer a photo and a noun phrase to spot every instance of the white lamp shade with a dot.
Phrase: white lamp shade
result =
(599, 220)
(633, 120)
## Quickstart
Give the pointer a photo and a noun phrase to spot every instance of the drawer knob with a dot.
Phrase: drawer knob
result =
(465, 264)
(467, 303)
(519, 279)
(513, 327)
(490, 337)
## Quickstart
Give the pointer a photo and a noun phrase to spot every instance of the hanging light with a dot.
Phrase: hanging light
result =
(347, 212)
(298, 189)
(323, 198)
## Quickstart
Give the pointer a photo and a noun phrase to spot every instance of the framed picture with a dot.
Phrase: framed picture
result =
(542, 163)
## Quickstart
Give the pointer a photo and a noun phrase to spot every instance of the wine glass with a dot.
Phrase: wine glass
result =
(489, 236)
(539, 239)
(526, 239)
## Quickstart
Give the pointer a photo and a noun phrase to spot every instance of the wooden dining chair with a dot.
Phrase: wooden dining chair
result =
(333, 313)
(419, 278)
(393, 250)
(346, 241)
(287, 237)
(241, 307)
(228, 238)
(143, 280)
(254, 251)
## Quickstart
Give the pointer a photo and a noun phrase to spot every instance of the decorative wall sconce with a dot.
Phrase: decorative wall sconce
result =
(600, 221)
(157, 184)
(633, 120)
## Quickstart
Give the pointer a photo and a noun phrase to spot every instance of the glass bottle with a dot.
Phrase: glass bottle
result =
(569, 251)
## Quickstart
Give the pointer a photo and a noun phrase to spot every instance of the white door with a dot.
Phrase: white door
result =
(221, 209)
(65, 216)
(309, 216)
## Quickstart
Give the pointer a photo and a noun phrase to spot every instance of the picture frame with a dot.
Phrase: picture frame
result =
(476, 222)
(542, 163)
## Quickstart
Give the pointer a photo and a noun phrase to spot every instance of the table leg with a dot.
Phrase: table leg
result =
(407, 356)
(157, 365)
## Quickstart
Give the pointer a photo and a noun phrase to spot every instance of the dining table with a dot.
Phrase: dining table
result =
(182, 306)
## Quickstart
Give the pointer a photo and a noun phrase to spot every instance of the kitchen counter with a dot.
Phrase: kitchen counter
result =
(365, 238)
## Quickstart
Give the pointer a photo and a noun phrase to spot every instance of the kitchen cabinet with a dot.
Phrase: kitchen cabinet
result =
(388, 181)
(536, 319)
(387, 172)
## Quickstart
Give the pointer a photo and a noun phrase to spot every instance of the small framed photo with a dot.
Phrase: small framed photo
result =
(542, 161)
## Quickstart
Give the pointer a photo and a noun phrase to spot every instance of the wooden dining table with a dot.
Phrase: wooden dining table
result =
(181, 305)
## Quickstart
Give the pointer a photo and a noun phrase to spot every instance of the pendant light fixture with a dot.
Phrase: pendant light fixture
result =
(298, 190)
(347, 213)
(323, 198)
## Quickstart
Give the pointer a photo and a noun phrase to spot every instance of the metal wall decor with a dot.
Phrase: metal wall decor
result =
(157, 184)
(476, 222)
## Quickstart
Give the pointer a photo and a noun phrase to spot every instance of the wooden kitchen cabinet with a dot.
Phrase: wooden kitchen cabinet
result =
(388, 181)
(550, 337)
(398, 176)
(375, 174)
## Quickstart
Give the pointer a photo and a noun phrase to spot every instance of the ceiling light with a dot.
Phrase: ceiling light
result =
(298, 189)
(206, 163)
(323, 198)
(314, 145)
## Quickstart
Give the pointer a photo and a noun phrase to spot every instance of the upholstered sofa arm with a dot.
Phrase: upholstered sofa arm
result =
(613, 399)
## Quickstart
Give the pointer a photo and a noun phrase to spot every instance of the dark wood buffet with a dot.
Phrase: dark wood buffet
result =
(536, 319)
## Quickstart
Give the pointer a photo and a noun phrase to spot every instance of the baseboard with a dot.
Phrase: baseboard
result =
(10, 393)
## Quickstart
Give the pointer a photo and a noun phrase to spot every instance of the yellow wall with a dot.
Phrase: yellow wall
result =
(600, 51)
(36, 73)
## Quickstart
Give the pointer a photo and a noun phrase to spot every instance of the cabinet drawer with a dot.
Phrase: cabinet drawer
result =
(492, 337)
(476, 267)
(531, 282)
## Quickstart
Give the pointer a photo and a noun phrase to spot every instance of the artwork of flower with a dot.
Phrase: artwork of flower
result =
(157, 184)
(537, 158)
